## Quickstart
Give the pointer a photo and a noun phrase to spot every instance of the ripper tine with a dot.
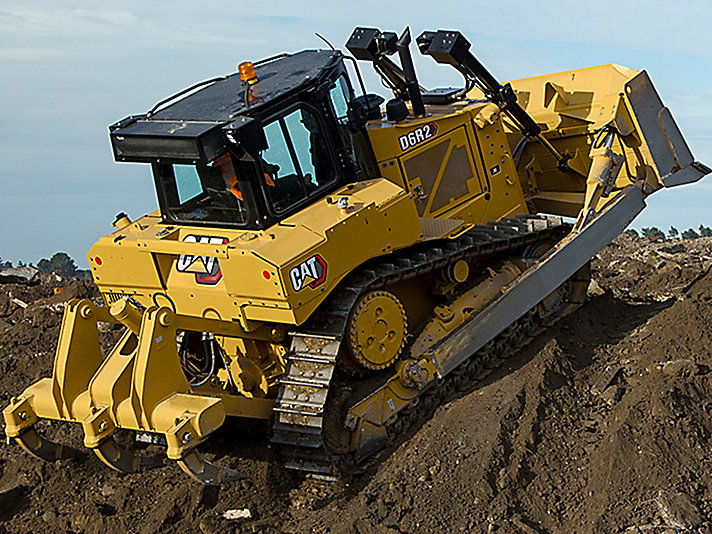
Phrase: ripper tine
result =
(45, 449)
(207, 473)
(123, 460)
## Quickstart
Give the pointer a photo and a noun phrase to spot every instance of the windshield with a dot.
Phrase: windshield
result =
(207, 193)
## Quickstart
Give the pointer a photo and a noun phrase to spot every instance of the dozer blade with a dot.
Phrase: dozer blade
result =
(45, 449)
(369, 416)
(122, 460)
(203, 471)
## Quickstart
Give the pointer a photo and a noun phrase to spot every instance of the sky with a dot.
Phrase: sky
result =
(70, 69)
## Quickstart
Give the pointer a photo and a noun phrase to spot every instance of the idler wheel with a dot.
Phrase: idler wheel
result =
(377, 330)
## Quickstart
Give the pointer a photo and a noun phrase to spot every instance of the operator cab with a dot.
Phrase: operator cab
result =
(248, 150)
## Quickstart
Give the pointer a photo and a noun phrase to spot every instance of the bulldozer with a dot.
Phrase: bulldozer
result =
(336, 264)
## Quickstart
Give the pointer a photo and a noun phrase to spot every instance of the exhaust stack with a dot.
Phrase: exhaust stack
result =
(411, 80)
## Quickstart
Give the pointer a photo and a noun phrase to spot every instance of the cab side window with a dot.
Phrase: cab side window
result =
(297, 163)
(339, 98)
(356, 144)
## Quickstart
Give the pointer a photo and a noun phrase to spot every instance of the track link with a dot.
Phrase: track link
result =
(299, 419)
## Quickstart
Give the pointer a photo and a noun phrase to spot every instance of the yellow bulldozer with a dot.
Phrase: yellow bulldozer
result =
(338, 264)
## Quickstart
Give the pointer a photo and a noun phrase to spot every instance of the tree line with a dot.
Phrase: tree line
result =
(673, 233)
(60, 262)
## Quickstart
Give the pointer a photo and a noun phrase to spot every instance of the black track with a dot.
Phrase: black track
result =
(309, 428)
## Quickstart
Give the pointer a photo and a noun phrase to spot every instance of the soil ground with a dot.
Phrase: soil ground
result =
(535, 448)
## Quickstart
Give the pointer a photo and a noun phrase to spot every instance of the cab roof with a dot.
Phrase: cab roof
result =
(224, 99)
(191, 127)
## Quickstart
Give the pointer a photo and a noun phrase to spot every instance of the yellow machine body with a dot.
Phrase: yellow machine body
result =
(255, 285)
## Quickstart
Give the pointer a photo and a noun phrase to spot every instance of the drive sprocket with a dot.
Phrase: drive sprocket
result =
(377, 330)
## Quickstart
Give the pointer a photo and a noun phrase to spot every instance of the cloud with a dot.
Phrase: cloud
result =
(63, 21)
(66, 27)
(691, 103)
(666, 27)
(28, 54)
(639, 24)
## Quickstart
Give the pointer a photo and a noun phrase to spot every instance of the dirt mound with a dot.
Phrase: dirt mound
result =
(650, 268)
(30, 318)
(602, 424)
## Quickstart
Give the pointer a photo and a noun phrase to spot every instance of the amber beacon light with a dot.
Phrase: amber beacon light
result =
(247, 73)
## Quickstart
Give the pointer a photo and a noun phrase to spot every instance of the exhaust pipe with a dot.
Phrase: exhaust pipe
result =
(411, 80)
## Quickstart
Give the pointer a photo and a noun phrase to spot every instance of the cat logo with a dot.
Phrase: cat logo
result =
(309, 273)
(206, 268)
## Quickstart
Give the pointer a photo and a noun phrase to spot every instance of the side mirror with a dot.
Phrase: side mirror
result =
(356, 114)
(364, 108)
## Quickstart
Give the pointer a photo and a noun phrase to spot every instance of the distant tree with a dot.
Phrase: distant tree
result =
(705, 231)
(5, 264)
(631, 232)
(21, 264)
(653, 231)
(672, 232)
(690, 234)
(60, 262)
